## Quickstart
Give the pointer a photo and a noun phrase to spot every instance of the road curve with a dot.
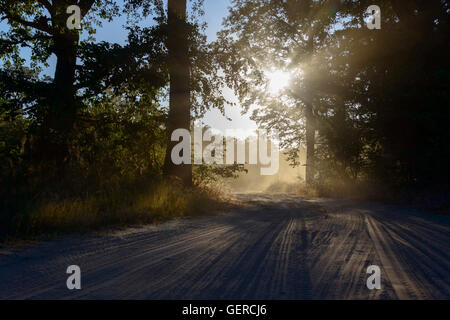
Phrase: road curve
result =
(273, 246)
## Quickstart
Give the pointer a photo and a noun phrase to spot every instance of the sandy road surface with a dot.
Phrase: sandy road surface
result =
(272, 247)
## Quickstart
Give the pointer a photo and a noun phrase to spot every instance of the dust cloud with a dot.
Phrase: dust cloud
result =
(253, 181)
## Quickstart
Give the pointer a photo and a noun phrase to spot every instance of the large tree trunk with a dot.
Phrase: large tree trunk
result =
(59, 118)
(310, 144)
(66, 53)
(309, 119)
(179, 109)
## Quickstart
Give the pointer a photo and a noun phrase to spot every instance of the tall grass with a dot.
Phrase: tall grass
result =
(113, 208)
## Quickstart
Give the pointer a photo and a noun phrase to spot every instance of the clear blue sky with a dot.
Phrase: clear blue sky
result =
(215, 11)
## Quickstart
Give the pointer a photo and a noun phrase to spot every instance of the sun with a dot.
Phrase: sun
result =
(278, 80)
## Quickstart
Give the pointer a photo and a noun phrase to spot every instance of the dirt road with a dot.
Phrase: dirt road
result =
(272, 247)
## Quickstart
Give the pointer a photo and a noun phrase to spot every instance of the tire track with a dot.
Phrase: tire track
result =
(398, 277)
(272, 247)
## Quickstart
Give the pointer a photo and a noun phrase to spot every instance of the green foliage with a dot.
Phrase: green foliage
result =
(205, 176)
(90, 142)
(379, 97)
(86, 148)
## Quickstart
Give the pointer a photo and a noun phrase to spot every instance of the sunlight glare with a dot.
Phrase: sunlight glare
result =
(278, 80)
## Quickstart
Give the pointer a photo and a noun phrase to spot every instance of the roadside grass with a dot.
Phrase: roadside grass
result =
(115, 208)
(336, 189)
(435, 199)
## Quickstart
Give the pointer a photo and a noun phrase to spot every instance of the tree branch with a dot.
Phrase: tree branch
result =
(42, 26)
(85, 6)
(48, 6)
(24, 38)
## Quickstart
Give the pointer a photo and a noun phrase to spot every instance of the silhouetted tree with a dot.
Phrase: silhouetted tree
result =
(42, 26)
(282, 34)
(179, 68)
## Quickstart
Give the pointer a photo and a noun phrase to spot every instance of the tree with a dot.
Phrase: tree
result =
(42, 26)
(375, 97)
(194, 76)
(280, 34)
(179, 111)
(399, 73)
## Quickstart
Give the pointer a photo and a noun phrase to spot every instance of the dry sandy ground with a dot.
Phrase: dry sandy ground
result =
(272, 247)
